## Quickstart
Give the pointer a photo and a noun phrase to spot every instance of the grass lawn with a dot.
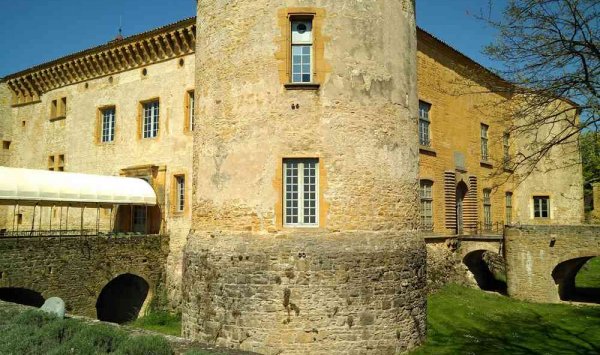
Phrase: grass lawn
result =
(161, 322)
(589, 275)
(468, 321)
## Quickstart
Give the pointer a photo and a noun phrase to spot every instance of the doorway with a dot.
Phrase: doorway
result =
(461, 192)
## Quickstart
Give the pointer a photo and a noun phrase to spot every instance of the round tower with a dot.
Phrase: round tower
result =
(305, 202)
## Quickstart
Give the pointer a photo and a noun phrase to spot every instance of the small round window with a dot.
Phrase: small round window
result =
(301, 28)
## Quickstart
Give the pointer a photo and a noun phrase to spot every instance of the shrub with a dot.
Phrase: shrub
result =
(146, 345)
(95, 339)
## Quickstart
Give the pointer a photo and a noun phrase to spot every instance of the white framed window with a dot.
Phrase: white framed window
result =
(541, 206)
(180, 193)
(487, 209)
(301, 192)
(508, 207)
(426, 205)
(302, 50)
(150, 119)
(506, 147)
(484, 142)
(190, 109)
(424, 122)
(108, 124)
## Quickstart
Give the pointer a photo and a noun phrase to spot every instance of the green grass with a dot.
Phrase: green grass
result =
(34, 332)
(589, 275)
(161, 322)
(468, 321)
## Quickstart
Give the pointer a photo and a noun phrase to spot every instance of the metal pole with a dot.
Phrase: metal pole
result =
(67, 219)
(18, 213)
(41, 210)
(110, 219)
(50, 227)
(81, 221)
(60, 221)
(33, 220)
(14, 216)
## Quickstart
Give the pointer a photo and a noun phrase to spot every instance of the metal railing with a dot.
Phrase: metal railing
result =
(484, 228)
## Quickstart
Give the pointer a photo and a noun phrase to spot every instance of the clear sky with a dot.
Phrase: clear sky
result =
(37, 31)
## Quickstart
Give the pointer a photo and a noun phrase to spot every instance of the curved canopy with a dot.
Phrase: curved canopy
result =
(31, 187)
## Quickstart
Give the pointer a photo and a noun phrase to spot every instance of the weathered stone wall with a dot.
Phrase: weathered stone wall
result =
(355, 283)
(77, 268)
(461, 98)
(5, 135)
(533, 252)
(35, 137)
(345, 292)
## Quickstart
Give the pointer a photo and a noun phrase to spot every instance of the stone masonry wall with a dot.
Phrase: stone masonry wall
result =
(327, 293)
(35, 137)
(77, 268)
(533, 252)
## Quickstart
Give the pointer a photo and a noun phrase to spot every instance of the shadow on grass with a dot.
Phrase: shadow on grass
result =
(502, 326)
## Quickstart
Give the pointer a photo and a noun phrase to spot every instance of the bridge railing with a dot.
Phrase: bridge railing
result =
(61, 233)
(482, 228)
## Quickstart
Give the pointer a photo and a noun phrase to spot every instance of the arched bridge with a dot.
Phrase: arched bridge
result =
(542, 261)
(109, 277)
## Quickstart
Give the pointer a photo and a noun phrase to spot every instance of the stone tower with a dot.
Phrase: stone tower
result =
(305, 202)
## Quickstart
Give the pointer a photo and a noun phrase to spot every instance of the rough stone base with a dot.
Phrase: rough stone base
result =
(325, 293)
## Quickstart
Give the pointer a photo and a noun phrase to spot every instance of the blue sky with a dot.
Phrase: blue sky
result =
(36, 31)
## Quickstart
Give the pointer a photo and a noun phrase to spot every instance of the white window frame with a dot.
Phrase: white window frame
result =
(485, 154)
(424, 120)
(300, 193)
(108, 124)
(179, 193)
(426, 194)
(191, 103)
(535, 205)
(508, 206)
(150, 119)
(301, 44)
(487, 209)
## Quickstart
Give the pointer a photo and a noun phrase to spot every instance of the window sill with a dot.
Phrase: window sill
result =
(486, 164)
(302, 86)
(57, 118)
(427, 150)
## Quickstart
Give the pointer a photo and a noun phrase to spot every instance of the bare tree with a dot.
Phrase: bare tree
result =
(549, 51)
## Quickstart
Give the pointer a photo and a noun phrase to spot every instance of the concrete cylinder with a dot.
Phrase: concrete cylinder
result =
(350, 275)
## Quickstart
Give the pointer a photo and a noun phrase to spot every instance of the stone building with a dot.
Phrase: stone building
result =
(287, 160)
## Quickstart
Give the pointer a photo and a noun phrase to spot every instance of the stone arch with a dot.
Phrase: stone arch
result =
(483, 267)
(123, 298)
(21, 295)
(564, 274)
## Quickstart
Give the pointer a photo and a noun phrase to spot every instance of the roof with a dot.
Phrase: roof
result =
(42, 187)
(108, 45)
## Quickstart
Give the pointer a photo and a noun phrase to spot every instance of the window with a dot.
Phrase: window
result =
(426, 205)
(541, 206)
(5, 144)
(189, 111)
(150, 119)
(487, 209)
(58, 108)
(301, 191)
(424, 123)
(179, 193)
(506, 147)
(138, 219)
(484, 142)
(508, 207)
(302, 48)
(56, 162)
(108, 124)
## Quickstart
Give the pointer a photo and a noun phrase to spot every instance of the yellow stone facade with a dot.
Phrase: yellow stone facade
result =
(161, 65)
